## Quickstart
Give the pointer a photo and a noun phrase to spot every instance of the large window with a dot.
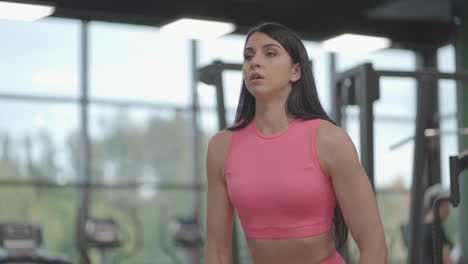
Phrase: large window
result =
(39, 138)
(39, 127)
(135, 63)
(141, 130)
(140, 133)
(40, 57)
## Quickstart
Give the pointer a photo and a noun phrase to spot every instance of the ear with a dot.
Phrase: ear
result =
(295, 73)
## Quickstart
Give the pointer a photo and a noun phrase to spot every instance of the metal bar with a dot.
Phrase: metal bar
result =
(460, 76)
(339, 103)
(417, 187)
(85, 172)
(111, 102)
(197, 196)
(435, 132)
(347, 74)
(231, 66)
(385, 118)
(425, 59)
(213, 74)
(339, 107)
(139, 104)
(222, 124)
(454, 180)
(400, 143)
(457, 165)
(333, 90)
(430, 132)
(366, 112)
(461, 61)
(105, 186)
(39, 98)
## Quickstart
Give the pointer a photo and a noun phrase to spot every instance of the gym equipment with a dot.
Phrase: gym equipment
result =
(20, 241)
(187, 233)
(360, 86)
(457, 165)
(103, 234)
(437, 230)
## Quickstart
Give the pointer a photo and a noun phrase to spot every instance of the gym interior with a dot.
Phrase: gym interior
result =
(106, 117)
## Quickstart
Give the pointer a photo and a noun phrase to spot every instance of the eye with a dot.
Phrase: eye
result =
(270, 54)
(247, 57)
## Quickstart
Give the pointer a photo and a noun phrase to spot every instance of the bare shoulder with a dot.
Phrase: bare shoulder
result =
(334, 145)
(218, 148)
(221, 140)
(330, 134)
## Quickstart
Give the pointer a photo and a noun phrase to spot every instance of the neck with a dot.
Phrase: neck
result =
(271, 115)
(271, 118)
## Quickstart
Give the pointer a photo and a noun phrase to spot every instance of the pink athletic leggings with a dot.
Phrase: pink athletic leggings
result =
(335, 258)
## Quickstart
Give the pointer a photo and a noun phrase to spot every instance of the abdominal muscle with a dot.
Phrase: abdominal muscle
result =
(305, 250)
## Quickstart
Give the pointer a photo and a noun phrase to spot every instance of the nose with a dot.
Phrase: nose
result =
(255, 61)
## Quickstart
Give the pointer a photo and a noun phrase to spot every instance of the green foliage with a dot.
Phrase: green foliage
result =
(157, 151)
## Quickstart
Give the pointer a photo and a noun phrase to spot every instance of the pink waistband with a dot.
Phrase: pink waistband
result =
(335, 258)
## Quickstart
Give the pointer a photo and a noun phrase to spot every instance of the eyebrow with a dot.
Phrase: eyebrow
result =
(264, 46)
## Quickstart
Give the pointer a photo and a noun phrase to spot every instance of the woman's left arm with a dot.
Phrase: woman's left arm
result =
(339, 159)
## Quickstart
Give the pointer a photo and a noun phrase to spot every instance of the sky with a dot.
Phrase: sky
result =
(129, 62)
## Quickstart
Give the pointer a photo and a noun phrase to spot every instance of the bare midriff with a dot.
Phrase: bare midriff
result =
(304, 250)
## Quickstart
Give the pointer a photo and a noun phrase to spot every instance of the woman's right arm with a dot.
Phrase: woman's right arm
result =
(219, 213)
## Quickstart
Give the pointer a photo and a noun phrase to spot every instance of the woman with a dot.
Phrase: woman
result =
(285, 167)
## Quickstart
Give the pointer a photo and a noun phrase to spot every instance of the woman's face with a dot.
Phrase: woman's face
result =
(268, 69)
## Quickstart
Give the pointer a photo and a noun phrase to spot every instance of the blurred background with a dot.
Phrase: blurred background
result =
(105, 120)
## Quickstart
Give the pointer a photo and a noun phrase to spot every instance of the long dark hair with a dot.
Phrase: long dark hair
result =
(302, 102)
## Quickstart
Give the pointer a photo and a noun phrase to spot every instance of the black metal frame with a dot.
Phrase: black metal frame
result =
(357, 87)
(457, 165)
(360, 86)
(437, 230)
(213, 75)
(85, 168)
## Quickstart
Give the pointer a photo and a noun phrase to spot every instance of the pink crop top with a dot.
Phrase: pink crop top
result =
(276, 184)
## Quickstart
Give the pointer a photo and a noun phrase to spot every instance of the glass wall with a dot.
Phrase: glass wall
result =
(141, 131)
(140, 134)
(131, 63)
(39, 126)
(40, 58)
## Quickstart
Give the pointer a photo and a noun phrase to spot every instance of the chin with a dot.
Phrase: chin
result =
(261, 93)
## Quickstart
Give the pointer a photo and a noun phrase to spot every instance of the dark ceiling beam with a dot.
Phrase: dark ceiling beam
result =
(313, 22)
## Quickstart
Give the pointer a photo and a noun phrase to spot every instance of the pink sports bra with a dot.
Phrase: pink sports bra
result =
(276, 184)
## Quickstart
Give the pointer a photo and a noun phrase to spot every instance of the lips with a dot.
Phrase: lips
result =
(255, 76)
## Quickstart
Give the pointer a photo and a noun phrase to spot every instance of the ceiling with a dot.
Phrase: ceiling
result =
(409, 23)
